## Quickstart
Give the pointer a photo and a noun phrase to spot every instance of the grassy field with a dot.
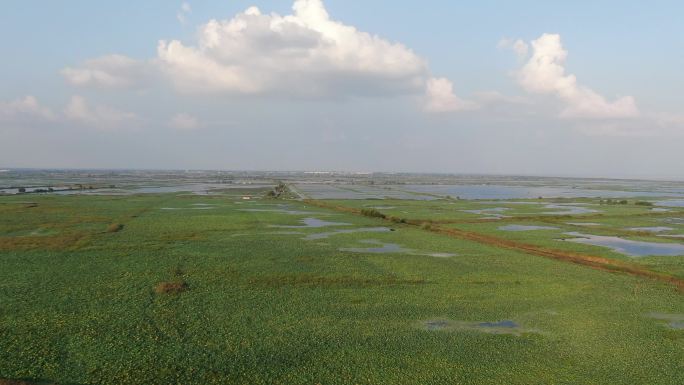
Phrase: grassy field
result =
(187, 289)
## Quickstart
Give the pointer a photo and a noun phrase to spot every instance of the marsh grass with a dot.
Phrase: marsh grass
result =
(22, 382)
(275, 309)
(332, 281)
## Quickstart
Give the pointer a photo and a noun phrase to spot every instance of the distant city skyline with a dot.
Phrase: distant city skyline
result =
(516, 88)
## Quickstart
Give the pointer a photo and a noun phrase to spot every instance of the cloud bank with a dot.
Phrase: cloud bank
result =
(99, 116)
(305, 54)
(25, 108)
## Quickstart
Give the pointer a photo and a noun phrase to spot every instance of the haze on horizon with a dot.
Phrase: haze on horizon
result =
(525, 87)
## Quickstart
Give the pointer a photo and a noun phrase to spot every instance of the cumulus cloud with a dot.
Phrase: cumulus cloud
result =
(26, 108)
(544, 73)
(305, 53)
(184, 122)
(185, 10)
(99, 116)
(441, 97)
(111, 71)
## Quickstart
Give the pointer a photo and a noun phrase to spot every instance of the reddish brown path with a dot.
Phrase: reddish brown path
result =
(600, 263)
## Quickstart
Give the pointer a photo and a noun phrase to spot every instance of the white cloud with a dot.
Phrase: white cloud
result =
(305, 54)
(184, 122)
(79, 110)
(441, 97)
(544, 73)
(181, 15)
(111, 71)
(26, 108)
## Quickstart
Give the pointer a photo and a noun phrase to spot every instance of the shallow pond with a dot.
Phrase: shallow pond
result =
(496, 327)
(279, 211)
(382, 247)
(655, 229)
(312, 237)
(627, 246)
(573, 209)
(311, 223)
(671, 203)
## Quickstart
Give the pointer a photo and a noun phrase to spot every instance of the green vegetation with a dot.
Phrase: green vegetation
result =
(277, 191)
(643, 203)
(181, 295)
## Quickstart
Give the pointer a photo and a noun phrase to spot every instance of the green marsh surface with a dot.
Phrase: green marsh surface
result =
(258, 304)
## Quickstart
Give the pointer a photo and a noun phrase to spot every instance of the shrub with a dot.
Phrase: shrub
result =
(643, 203)
(115, 227)
(172, 287)
(373, 213)
(397, 219)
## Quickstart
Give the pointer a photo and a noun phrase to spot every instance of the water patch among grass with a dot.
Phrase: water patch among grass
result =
(280, 211)
(568, 209)
(526, 228)
(312, 223)
(383, 247)
(628, 246)
(674, 321)
(497, 327)
(655, 229)
(329, 234)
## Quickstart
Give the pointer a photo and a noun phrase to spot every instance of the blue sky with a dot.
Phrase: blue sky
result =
(525, 87)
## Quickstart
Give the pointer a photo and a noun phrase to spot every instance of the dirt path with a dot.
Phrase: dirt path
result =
(595, 262)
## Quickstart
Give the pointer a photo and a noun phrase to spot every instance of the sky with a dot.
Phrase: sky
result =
(582, 88)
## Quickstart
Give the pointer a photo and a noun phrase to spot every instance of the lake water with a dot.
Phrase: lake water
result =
(525, 192)
(671, 203)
